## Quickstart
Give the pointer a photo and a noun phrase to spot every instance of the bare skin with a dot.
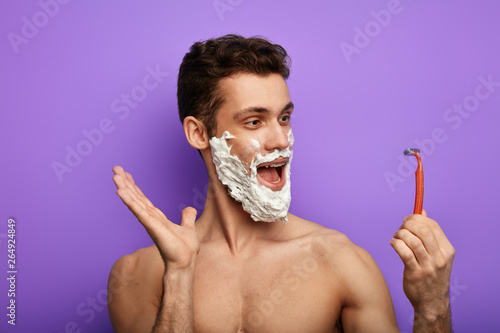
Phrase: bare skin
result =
(228, 273)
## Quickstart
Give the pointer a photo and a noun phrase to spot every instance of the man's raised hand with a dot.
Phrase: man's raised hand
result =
(428, 257)
(178, 245)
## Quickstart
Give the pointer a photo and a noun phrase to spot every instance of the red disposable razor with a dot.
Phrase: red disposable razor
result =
(419, 180)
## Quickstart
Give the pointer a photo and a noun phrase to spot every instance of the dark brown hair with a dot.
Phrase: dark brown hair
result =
(207, 62)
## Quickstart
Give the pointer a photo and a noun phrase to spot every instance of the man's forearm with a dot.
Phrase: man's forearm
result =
(433, 321)
(176, 311)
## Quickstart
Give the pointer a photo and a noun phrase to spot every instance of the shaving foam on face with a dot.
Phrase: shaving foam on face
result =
(262, 203)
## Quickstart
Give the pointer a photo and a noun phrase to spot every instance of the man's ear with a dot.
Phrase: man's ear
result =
(196, 133)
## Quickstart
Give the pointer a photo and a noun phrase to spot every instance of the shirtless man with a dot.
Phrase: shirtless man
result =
(239, 268)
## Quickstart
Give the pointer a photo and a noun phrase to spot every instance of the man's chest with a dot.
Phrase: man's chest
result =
(283, 294)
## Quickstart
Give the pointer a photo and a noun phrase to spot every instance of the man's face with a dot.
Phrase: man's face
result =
(256, 111)
(251, 149)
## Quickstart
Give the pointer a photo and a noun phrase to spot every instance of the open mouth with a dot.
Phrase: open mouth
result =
(272, 174)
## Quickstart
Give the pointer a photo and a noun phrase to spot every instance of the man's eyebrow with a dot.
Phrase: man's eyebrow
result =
(259, 109)
(288, 107)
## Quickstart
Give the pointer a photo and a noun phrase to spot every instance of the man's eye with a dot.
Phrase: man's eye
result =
(253, 123)
(285, 118)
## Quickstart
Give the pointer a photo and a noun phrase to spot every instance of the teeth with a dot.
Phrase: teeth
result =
(276, 182)
(275, 165)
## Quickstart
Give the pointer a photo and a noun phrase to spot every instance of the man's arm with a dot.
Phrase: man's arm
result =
(176, 311)
(366, 302)
(178, 247)
(134, 291)
(428, 257)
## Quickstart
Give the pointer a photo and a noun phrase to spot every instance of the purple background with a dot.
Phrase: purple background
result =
(354, 116)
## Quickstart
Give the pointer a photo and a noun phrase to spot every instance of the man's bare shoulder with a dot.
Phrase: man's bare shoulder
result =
(313, 231)
(357, 278)
(134, 290)
(143, 262)
(138, 273)
(333, 245)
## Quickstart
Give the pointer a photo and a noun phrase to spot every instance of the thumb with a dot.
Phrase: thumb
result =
(188, 217)
(424, 213)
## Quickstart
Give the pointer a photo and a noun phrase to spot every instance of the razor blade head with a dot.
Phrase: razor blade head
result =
(411, 151)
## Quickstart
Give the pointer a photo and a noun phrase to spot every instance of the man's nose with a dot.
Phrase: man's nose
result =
(278, 138)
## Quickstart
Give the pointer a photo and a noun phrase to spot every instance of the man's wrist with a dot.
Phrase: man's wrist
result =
(433, 318)
(176, 275)
(431, 311)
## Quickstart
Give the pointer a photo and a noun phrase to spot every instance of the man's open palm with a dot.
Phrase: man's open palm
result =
(178, 245)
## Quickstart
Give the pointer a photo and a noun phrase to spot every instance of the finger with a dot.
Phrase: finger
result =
(119, 181)
(150, 218)
(117, 170)
(412, 217)
(132, 195)
(143, 196)
(424, 213)
(415, 245)
(442, 241)
(129, 177)
(404, 253)
(138, 198)
(423, 231)
(130, 202)
(136, 192)
(440, 236)
(120, 178)
(188, 217)
(139, 195)
(128, 181)
(143, 209)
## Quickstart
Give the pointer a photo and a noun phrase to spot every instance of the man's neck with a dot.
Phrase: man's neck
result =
(224, 220)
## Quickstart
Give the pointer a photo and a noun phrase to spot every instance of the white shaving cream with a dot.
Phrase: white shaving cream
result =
(262, 203)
